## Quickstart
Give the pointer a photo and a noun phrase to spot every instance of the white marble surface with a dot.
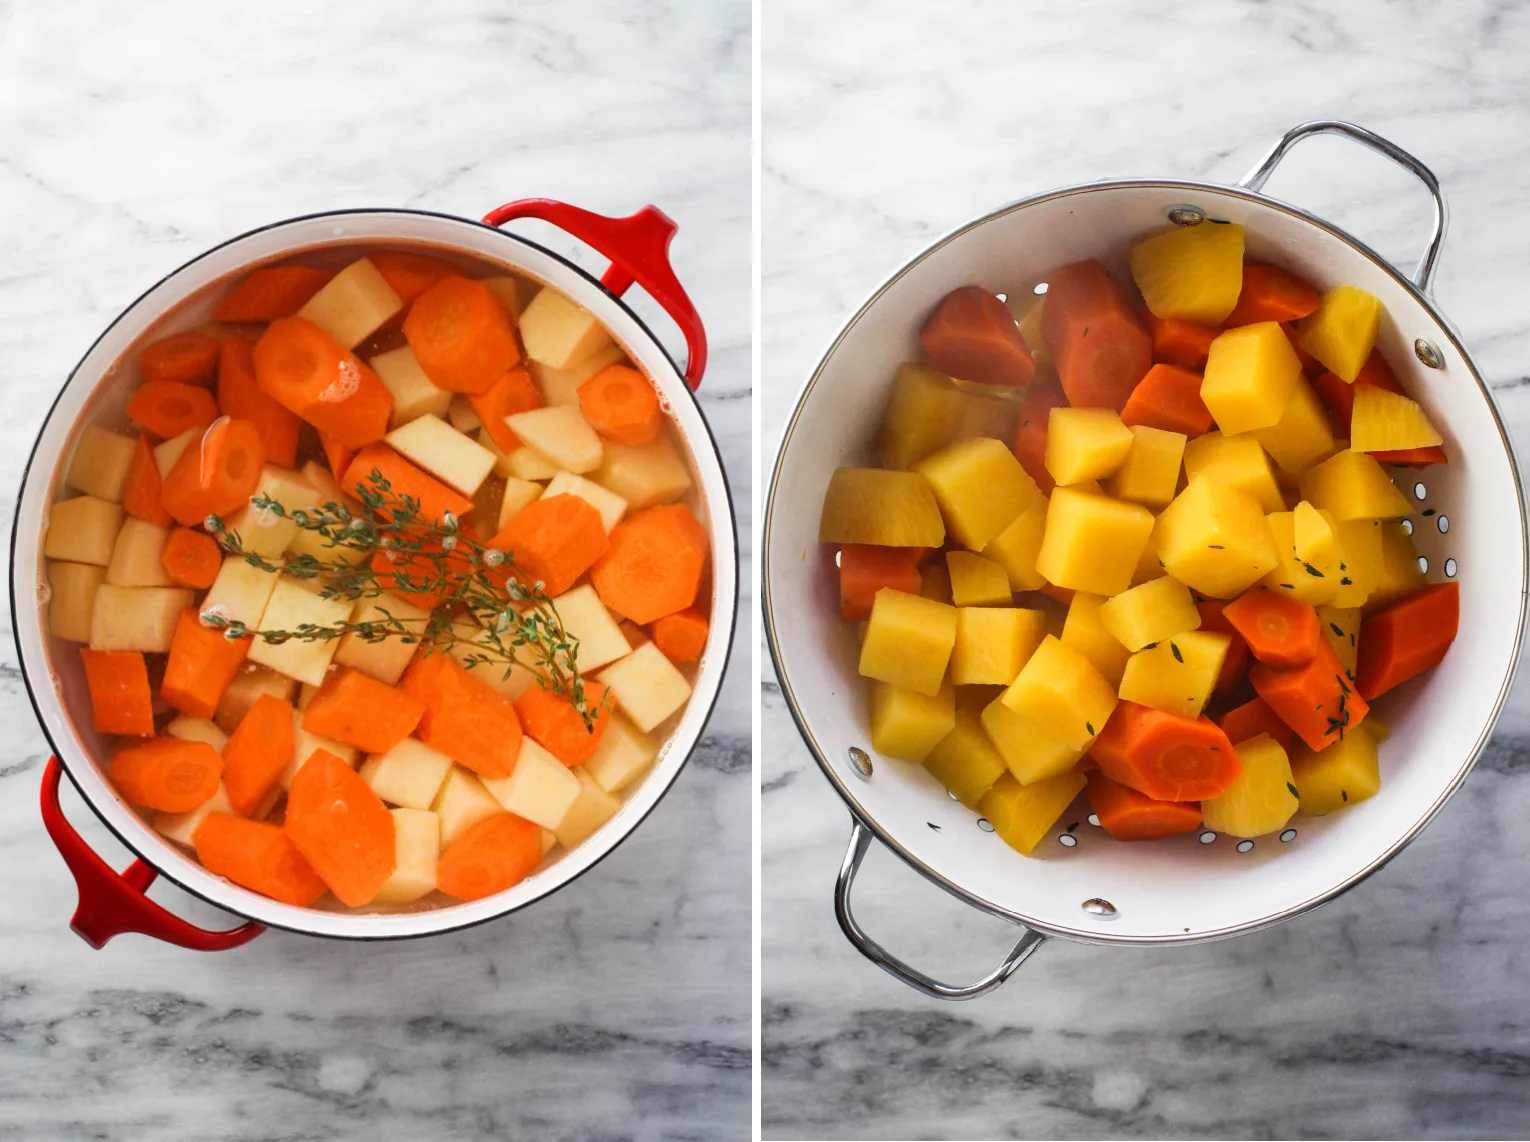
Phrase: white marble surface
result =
(131, 138)
(1401, 1010)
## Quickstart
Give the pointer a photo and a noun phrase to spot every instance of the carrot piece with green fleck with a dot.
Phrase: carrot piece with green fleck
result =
(341, 827)
(1280, 631)
(185, 358)
(1253, 718)
(1131, 816)
(141, 492)
(1315, 699)
(555, 540)
(216, 476)
(361, 711)
(655, 563)
(258, 856)
(120, 699)
(464, 717)
(682, 636)
(191, 558)
(495, 854)
(201, 664)
(169, 408)
(462, 335)
(169, 774)
(552, 722)
(271, 293)
(1270, 293)
(312, 375)
(240, 397)
(1406, 638)
(512, 393)
(257, 751)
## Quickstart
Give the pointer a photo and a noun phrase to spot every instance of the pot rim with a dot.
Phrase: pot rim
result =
(725, 650)
(847, 794)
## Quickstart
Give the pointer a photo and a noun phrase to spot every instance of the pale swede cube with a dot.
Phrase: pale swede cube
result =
(167, 452)
(444, 452)
(384, 660)
(549, 841)
(197, 730)
(324, 482)
(610, 505)
(410, 774)
(559, 333)
(462, 803)
(539, 788)
(182, 827)
(514, 293)
(101, 462)
(263, 531)
(624, 752)
(462, 415)
(517, 496)
(137, 618)
(240, 592)
(135, 556)
(83, 530)
(293, 603)
(644, 475)
(646, 685)
(416, 845)
(590, 810)
(72, 599)
(585, 617)
(307, 541)
(528, 464)
(245, 690)
(560, 435)
(305, 743)
(353, 304)
(561, 386)
(471, 640)
(413, 392)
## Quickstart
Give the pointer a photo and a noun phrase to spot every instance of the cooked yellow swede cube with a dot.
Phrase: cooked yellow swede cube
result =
(518, 495)
(646, 686)
(1084, 632)
(182, 827)
(922, 415)
(1149, 566)
(100, 464)
(448, 455)
(197, 730)
(585, 618)
(1261, 799)
(414, 394)
(590, 810)
(167, 452)
(1302, 436)
(1235, 462)
(1360, 560)
(610, 505)
(462, 803)
(1352, 485)
(294, 602)
(1085, 444)
(560, 435)
(1292, 576)
(623, 754)
(1022, 815)
(416, 845)
(906, 724)
(1341, 627)
(240, 592)
(644, 475)
(305, 743)
(72, 598)
(83, 530)
(993, 643)
(409, 775)
(980, 488)
(872, 505)
(1249, 377)
(136, 618)
(135, 556)
(246, 689)
(908, 642)
(1029, 752)
(1342, 332)
(1215, 539)
(559, 333)
(1191, 272)
(1384, 421)
(561, 386)
(977, 582)
(1399, 574)
(1150, 613)
(1150, 473)
(539, 788)
(354, 304)
(1062, 693)
(1177, 674)
(384, 659)
(1337, 776)
(965, 761)
(262, 530)
(1016, 547)
(1092, 542)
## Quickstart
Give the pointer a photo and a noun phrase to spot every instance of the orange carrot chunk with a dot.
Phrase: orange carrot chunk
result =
(555, 540)
(140, 495)
(864, 569)
(257, 856)
(621, 405)
(1235, 664)
(1315, 699)
(169, 408)
(336, 454)
(1406, 638)
(461, 335)
(240, 397)
(655, 563)
(168, 774)
(973, 336)
(512, 393)
(257, 752)
(314, 376)
(404, 479)
(202, 663)
(1279, 630)
(271, 293)
(412, 274)
(1180, 342)
(216, 476)
(1253, 718)
(1411, 457)
(361, 711)
(1165, 756)
(1271, 294)
(1041, 398)
(495, 854)
(1101, 347)
(682, 636)
(191, 558)
(185, 358)
(1131, 816)
(1339, 394)
(341, 827)
(120, 699)
(465, 718)
(551, 721)
(1169, 397)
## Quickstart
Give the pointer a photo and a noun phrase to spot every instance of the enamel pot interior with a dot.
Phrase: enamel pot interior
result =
(1191, 887)
(99, 386)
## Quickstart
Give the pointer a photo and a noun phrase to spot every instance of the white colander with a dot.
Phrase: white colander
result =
(1468, 524)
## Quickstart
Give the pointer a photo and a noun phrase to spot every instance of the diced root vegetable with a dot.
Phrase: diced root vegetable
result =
(623, 754)
(464, 717)
(361, 711)
(646, 475)
(101, 463)
(136, 618)
(202, 664)
(354, 304)
(182, 827)
(72, 599)
(444, 452)
(492, 856)
(590, 810)
(561, 386)
(646, 686)
(342, 828)
(561, 435)
(540, 788)
(83, 530)
(264, 532)
(610, 505)
(416, 848)
(136, 555)
(586, 619)
(558, 333)
(240, 592)
(462, 803)
(408, 775)
(414, 394)
(246, 689)
(383, 659)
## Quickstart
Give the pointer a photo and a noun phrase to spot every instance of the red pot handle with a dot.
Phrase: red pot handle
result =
(638, 247)
(112, 903)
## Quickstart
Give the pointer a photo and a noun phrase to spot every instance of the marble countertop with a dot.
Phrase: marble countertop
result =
(132, 137)
(1402, 1009)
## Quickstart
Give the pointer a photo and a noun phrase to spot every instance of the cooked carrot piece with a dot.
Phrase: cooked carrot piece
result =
(1411, 457)
(240, 397)
(140, 495)
(552, 722)
(1315, 699)
(655, 563)
(191, 558)
(1271, 294)
(336, 454)
(416, 576)
(1131, 816)
(864, 569)
(271, 293)
(1235, 665)
(257, 856)
(169, 408)
(464, 717)
(1044, 395)
(361, 711)
(512, 393)
(314, 376)
(495, 854)
(973, 336)
(1339, 394)
(412, 274)
(682, 636)
(168, 774)
(435, 499)
(120, 699)
(341, 827)
(1101, 347)
(1253, 718)
(202, 663)
(185, 358)
(1169, 397)
(461, 335)
(619, 402)
(1165, 756)
(1407, 638)
(1180, 342)
(257, 751)
(217, 476)
(555, 540)
(1279, 630)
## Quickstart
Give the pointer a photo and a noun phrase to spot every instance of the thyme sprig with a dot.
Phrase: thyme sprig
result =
(422, 556)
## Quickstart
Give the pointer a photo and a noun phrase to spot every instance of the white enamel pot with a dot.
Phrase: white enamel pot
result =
(1468, 523)
(112, 903)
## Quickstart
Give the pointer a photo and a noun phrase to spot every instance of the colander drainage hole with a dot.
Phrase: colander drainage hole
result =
(1098, 908)
(1002, 296)
(1419, 491)
(985, 824)
(860, 760)
(1288, 836)
(1407, 526)
(1094, 819)
(1039, 289)
(1443, 524)
(1207, 837)
(1245, 846)
(1067, 840)
(1423, 565)
(1450, 568)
